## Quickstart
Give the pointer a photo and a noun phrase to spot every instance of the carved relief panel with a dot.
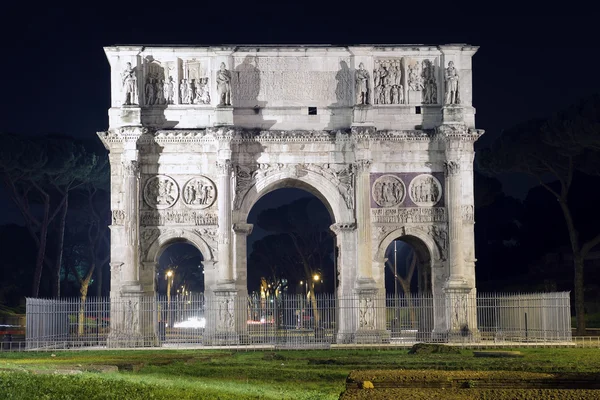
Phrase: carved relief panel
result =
(389, 190)
(161, 192)
(194, 83)
(389, 81)
(425, 190)
(171, 206)
(404, 80)
(199, 192)
(154, 84)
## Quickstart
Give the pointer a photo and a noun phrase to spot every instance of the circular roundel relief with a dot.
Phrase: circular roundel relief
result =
(199, 192)
(425, 190)
(161, 192)
(388, 191)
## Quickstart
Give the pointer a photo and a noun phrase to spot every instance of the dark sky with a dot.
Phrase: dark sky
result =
(56, 76)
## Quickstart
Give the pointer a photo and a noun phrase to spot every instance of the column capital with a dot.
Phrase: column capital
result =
(363, 165)
(340, 227)
(131, 168)
(452, 167)
(243, 228)
(224, 167)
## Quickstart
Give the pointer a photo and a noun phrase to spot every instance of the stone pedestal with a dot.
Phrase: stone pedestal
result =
(225, 318)
(460, 305)
(415, 97)
(370, 307)
(223, 115)
(452, 114)
(133, 321)
(363, 115)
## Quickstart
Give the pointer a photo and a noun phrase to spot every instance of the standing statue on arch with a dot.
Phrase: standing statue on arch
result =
(224, 85)
(452, 96)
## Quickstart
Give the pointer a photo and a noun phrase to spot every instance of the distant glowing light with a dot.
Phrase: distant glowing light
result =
(195, 323)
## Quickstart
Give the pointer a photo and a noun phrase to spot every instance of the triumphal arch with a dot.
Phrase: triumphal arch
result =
(383, 135)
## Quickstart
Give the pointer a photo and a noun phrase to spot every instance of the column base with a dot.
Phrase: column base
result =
(226, 318)
(459, 306)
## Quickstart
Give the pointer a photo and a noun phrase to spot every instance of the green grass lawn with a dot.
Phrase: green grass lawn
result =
(310, 374)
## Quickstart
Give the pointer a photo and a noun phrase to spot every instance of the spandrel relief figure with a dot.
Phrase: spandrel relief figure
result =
(362, 85)
(452, 96)
(224, 85)
(130, 95)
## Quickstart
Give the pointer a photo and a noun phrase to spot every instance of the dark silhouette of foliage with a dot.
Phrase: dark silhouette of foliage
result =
(555, 150)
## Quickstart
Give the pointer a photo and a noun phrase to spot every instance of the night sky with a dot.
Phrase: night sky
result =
(56, 76)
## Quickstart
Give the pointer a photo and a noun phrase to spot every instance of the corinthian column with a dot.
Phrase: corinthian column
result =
(131, 182)
(363, 217)
(455, 225)
(225, 274)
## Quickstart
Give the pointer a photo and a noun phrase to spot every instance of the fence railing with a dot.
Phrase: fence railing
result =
(293, 321)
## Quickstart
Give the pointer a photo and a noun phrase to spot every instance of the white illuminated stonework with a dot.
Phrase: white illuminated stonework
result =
(382, 135)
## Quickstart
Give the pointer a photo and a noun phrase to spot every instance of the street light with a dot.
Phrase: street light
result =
(169, 277)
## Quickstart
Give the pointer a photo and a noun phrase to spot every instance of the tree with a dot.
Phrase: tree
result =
(556, 149)
(39, 174)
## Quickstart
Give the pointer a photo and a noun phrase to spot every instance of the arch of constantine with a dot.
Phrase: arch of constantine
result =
(383, 135)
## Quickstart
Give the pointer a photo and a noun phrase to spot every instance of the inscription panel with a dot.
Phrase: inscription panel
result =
(290, 81)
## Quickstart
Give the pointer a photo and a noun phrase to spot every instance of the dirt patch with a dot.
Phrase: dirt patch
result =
(101, 368)
(426, 348)
(130, 367)
(430, 379)
(469, 394)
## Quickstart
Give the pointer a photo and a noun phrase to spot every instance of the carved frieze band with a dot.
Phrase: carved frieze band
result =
(173, 217)
(408, 215)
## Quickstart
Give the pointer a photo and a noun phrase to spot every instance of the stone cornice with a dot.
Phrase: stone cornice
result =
(241, 135)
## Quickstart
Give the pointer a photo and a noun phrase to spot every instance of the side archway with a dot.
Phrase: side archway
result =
(419, 239)
(171, 236)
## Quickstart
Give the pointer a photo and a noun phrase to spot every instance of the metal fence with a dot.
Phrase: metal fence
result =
(291, 321)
